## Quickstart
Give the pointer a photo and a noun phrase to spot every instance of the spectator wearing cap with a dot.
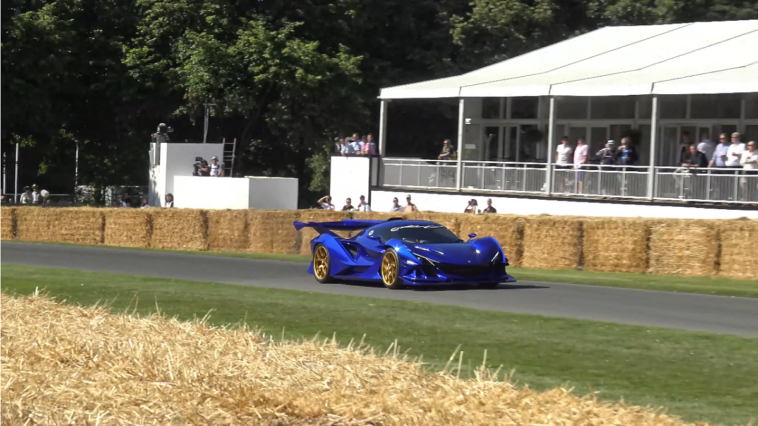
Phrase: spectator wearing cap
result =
(217, 169)
(396, 207)
(410, 207)
(489, 209)
(607, 155)
(35, 194)
(363, 205)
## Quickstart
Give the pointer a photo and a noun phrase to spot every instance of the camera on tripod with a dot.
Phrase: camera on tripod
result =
(200, 164)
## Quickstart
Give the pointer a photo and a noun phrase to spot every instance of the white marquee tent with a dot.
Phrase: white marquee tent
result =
(706, 57)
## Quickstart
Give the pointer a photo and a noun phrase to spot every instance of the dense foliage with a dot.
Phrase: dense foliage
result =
(286, 76)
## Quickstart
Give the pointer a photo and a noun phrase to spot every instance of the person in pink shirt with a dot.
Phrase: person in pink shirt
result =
(580, 158)
(369, 147)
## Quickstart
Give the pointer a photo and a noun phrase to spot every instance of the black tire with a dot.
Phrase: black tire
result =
(390, 270)
(489, 285)
(320, 253)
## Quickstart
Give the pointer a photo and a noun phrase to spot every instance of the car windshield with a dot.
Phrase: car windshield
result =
(423, 234)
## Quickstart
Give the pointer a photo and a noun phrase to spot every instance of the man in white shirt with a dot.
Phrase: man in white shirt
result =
(396, 207)
(580, 158)
(734, 153)
(363, 206)
(706, 146)
(217, 168)
(326, 202)
(563, 161)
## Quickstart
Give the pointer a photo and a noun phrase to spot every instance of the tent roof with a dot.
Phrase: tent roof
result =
(705, 57)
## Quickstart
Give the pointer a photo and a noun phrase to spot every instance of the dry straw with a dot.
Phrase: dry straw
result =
(228, 230)
(81, 225)
(616, 245)
(738, 248)
(684, 247)
(552, 242)
(73, 365)
(178, 229)
(272, 231)
(127, 227)
(8, 222)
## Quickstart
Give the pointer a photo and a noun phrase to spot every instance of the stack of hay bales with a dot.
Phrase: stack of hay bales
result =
(616, 245)
(738, 249)
(228, 230)
(272, 231)
(8, 222)
(684, 247)
(179, 229)
(80, 226)
(127, 227)
(552, 242)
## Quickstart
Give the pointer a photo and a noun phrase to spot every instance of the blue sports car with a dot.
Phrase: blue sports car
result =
(401, 252)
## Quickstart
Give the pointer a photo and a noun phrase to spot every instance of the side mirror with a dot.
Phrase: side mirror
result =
(472, 235)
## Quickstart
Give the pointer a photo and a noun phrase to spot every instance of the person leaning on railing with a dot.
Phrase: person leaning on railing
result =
(749, 162)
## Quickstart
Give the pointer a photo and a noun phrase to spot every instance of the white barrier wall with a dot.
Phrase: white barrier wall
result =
(456, 203)
(176, 159)
(272, 193)
(205, 192)
(349, 177)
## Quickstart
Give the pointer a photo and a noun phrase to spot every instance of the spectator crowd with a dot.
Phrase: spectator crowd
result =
(356, 145)
(326, 203)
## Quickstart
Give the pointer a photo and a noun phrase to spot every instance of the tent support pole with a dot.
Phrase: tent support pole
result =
(382, 127)
(459, 164)
(653, 149)
(550, 147)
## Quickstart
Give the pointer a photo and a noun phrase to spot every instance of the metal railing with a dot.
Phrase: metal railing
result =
(415, 173)
(708, 185)
(592, 180)
(508, 177)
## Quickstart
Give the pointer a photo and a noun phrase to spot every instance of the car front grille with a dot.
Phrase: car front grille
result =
(465, 270)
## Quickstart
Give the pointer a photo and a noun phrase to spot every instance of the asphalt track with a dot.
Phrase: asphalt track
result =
(727, 315)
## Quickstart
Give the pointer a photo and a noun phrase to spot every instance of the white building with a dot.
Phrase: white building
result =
(662, 82)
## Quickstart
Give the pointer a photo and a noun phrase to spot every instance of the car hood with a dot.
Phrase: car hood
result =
(453, 253)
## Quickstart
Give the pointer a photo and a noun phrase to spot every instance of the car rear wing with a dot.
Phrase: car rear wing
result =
(344, 225)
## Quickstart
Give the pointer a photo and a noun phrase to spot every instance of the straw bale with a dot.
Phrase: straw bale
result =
(179, 229)
(65, 364)
(228, 230)
(272, 231)
(684, 247)
(616, 245)
(127, 227)
(8, 222)
(552, 242)
(738, 249)
(315, 215)
(508, 230)
(76, 225)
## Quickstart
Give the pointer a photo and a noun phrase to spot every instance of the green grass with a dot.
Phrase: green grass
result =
(699, 376)
(700, 285)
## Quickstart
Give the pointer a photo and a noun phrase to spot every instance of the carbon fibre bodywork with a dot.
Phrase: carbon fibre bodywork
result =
(420, 262)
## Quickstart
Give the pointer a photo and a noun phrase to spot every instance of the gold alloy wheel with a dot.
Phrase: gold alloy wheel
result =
(389, 268)
(320, 262)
